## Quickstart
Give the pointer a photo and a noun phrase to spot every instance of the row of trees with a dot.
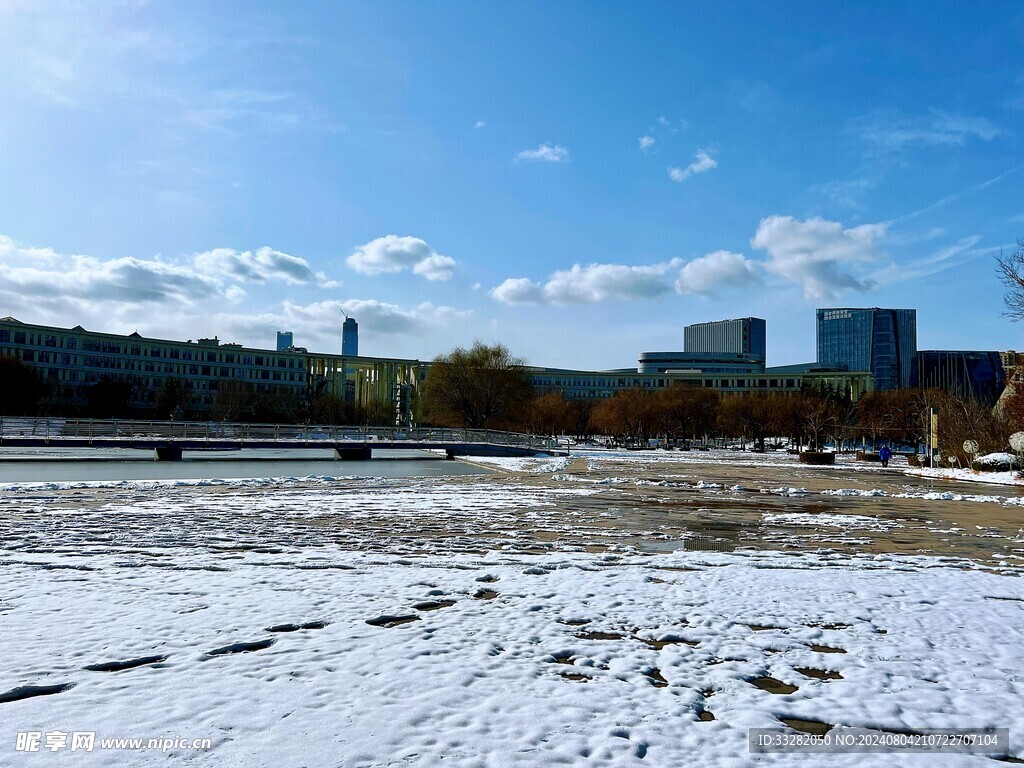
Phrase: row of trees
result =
(486, 387)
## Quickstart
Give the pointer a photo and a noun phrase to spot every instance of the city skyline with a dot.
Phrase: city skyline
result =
(458, 173)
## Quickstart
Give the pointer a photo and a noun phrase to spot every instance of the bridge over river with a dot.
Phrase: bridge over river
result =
(168, 439)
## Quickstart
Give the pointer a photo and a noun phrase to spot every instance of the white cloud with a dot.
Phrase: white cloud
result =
(893, 131)
(519, 290)
(320, 320)
(848, 193)
(393, 253)
(124, 282)
(176, 299)
(952, 255)
(702, 163)
(646, 142)
(722, 269)
(264, 264)
(436, 267)
(817, 254)
(545, 153)
(589, 284)
(479, 124)
(11, 250)
(49, 287)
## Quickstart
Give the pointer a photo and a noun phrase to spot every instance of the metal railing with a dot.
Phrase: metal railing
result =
(125, 430)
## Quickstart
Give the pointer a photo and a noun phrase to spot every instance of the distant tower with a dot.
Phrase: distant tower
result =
(350, 337)
(285, 341)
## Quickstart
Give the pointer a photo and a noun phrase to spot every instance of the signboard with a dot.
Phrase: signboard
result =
(837, 314)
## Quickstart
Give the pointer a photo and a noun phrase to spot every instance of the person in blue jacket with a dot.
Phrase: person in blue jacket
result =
(885, 454)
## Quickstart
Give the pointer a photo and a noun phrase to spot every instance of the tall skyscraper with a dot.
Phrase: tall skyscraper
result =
(350, 338)
(743, 336)
(883, 341)
(285, 340)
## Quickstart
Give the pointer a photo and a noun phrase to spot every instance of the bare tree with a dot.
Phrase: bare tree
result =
(478, 387)
(1011, 272)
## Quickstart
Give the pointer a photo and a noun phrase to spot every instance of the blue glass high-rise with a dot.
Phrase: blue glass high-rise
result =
(883, 341)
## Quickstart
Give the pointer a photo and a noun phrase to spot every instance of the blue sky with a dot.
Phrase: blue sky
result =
(577, 180)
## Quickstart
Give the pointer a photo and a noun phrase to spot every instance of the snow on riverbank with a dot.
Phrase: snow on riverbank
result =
(968, 475)
(504, 660)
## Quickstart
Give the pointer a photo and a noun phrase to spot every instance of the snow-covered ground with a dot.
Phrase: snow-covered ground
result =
(550, 614)
(967, 475)
(504, 660)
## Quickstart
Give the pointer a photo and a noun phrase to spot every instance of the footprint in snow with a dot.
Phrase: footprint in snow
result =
(120, 666)
(297, 627)
(433, 605)
(256, 645)
(389, 621)
(30, 691)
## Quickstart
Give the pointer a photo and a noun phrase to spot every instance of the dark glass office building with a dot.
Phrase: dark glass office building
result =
(883, 341)
(976, 375)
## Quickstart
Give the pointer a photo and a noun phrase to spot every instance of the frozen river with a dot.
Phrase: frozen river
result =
(63, 465)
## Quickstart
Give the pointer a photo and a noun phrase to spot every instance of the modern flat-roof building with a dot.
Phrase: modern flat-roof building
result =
(603, 384)
(882, 341)
(74, 359)
(706, 362)
(968, 374)
(742, 336)
(285, 341)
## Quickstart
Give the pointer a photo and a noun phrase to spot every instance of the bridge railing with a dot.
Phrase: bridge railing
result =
(118, 429)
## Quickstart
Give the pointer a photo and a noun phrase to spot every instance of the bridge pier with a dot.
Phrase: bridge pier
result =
(362, 453)
(449, 454)
(168, 453)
